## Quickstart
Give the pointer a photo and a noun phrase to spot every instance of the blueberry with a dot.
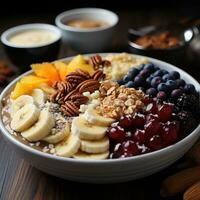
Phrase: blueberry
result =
(180, 82)
(133, 71)
(171, 84)
(120, 82)
(156, 68)
(149, 66)
(189, 88)
(165, 77)
(148, 80)
(158, 73)
(164, 71)
(130, 84)
(151, 92)
(127, 78)
(161, 95)
(176, 93)
(175, 74)
(141, 66)
(139, 81)
(142, 88)
(156, 81)
(168, 77)
(163, 87)
(144, 73)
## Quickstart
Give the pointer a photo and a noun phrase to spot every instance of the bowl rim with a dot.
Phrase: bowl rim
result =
(23, 27)
(31, 150)
(60, 16)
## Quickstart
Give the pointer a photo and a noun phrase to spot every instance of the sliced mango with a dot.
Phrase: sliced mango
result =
(35, 81)
(62, 69)
(20, 89)
(26, 84)
(46, 70)
(78, 62)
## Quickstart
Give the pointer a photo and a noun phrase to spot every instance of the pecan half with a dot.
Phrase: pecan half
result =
(89, 85)
(77, 77)
(70, 94)
(79, 99)
(57, 97)
(70, 109)
(95, 61)
(98, 75)
(65, 87)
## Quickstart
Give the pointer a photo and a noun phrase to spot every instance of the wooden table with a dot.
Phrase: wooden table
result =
(20, 181)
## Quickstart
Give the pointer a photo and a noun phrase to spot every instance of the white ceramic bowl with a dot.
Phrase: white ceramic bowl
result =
(87, 40)
(105, 171)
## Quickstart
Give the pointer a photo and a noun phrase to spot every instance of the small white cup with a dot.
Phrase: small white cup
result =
(90, 39)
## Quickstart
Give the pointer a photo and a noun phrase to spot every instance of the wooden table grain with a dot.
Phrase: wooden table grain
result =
(20, 181)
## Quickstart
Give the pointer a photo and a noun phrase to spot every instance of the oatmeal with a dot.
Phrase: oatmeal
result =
(120, 64)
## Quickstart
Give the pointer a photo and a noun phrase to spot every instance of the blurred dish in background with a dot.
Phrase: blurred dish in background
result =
(86, 23)
(162, 40)
(180, 38)
(32, 38)
(81, 31)
(31, 43)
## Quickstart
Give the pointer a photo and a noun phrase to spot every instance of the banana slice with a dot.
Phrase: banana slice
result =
(39, 97)
(94, 156)
(87, 131)
(19, 103)
(59, 136)
(98, 146)
(93, 117)
(25, 117)
(68, 147)
(41, 128)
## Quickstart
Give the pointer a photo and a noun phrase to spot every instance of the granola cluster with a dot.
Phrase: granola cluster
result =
(116, 100)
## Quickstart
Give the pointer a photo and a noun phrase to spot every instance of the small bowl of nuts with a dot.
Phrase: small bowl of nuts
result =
(168, 43)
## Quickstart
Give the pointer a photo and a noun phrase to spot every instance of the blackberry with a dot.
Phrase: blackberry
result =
(187, 122)
(189, 103)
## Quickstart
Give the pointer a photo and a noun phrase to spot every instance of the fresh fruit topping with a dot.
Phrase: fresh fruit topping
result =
(139, 136)
(116, 133)
(152, 127)
(62, 69)
(156, 81)
(78, 62)
(130, 148)
(176, 93)
(161, 95)
(155, 142)
(125, 121)
(152, 108)
(46, 70)
(189, 88)
(152, 92)
(165, 112)
(170, 133)
(26, 84)
(175, 74)
(138, 120)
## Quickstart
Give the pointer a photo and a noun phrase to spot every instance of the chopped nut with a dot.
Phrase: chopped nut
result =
(119, 100)
(129, 102)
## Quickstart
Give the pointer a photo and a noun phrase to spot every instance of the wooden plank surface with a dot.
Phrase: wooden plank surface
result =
(20, 181)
